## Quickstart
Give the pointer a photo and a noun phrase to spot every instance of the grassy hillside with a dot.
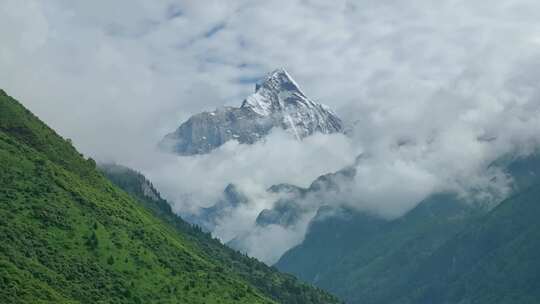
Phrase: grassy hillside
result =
(281, 287)
(70, 236)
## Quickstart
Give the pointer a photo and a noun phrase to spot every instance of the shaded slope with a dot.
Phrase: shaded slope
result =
(363, 258)
(415, 259)
(494, 260)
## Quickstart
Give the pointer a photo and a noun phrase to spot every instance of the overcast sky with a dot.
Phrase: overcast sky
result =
(435, 89)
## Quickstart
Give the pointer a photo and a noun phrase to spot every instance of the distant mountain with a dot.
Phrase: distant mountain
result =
(207, 218)
(70, 236)
(492, 260)
(277, 102)
(295, 201)
(362, 257)
(443, 251)
(291, 205)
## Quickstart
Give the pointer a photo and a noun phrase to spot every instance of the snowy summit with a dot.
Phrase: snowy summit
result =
(278, 101)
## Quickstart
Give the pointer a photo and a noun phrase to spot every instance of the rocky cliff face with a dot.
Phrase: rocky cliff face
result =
(295, 202)
(277, 102)
(207, 218)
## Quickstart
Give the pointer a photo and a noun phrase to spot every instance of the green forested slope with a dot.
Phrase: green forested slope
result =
(365, 259)
(443, 251)
(70, 236)
(282, 287)
(493, 260)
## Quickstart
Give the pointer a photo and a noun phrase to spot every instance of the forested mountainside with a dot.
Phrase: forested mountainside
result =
(71, 236)
(443, 251)
(493, 260)
(282, 287)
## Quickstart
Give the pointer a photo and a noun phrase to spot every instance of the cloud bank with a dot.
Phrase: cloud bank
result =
(434, 91)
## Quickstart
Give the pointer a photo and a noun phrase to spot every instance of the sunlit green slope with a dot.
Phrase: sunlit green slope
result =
(283, 288)
(68, 235)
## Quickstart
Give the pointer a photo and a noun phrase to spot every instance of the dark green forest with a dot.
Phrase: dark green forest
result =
(445, 250)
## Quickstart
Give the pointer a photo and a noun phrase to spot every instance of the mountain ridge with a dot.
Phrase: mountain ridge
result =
(406, 260)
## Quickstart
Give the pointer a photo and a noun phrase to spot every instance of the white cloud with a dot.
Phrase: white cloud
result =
(280, 158)
(423, 81)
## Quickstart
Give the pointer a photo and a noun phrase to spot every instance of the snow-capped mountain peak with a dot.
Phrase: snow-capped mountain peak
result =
(277, 90)
(278, 101)
(279, 80)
